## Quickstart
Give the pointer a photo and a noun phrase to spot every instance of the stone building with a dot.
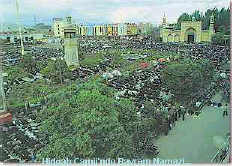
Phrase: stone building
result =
(190, 31)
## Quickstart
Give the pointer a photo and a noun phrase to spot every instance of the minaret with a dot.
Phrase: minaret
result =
(211, 27)
(69, 20)
(164, 23)
(71, 47)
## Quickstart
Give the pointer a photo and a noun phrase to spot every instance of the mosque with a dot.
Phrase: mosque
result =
(190, 32)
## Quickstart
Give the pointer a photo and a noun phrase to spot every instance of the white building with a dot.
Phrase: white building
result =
(59, 24)
(122, 29)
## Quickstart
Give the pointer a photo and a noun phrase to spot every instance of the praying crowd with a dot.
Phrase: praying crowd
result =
(143, 85)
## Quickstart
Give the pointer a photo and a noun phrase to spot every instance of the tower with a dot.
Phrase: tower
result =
(71, 47)
(211, 27)
(69, 20)
(163, 26)
(164, 23)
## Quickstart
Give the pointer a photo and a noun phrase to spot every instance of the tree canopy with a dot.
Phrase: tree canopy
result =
(57, 71)
(89, 123)
(186, 79)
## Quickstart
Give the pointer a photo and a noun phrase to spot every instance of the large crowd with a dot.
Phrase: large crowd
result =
(140, 85)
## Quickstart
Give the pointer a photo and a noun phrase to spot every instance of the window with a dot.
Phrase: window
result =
(70, 35)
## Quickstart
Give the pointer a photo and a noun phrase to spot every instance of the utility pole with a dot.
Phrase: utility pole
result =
(1, 87)
(20, 27)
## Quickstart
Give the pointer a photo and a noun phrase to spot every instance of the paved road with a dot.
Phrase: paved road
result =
(192, 139)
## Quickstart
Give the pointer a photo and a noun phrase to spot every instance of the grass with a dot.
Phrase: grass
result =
(92, 60)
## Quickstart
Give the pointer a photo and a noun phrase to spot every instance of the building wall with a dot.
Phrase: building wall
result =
(145, 28)
(109, 30)
(100, 30)
(170, 35)
(132, 29)
(122, 29)
(187, 27)
(58, 28)
(59, 24)
(205, 36)
(89, 30)
(84, 30)
(115, 30)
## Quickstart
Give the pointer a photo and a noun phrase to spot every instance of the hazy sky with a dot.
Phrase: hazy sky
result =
(103, 11)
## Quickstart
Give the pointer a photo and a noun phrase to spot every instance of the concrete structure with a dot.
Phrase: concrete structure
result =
(83, 30)
(109, 30)
(100, 30)
(89, 30)
(122, 29)
(132, 29)
(145, 28)
(191, 32)
(59, 24)
(115, 30)
(71, 46)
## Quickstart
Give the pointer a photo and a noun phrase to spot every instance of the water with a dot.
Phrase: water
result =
(192, 139)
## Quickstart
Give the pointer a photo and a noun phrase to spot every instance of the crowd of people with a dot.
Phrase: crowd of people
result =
(141, 85)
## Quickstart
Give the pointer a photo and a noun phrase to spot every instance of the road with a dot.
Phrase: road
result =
(192, 139)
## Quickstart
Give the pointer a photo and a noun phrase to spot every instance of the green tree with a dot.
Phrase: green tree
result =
(87, 124)
(187, 79)
(219, 39)
(57, 71)
(29, 64)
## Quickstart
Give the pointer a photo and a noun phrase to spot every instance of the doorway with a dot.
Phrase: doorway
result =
(191, 38)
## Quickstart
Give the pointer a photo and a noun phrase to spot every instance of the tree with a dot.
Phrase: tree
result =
(57, 71)
(219, 39)
(185, 80)
(29, 64)
(88, 124)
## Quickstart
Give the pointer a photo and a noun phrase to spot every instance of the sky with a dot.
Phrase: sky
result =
(102, 11)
